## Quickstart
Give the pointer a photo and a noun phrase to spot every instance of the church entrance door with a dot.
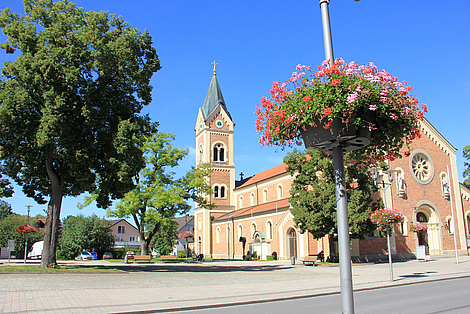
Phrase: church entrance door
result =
(293, 243)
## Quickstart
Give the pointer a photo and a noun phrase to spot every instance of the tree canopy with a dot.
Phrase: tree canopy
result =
(158, 196)
(5, 209)
(70, 105)
(466, 172)
(313, 193)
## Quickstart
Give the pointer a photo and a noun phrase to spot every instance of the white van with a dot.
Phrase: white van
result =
(36, 250)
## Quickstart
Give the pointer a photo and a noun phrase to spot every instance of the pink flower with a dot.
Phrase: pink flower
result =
(327, 111)
(352, 97)
(373, 107)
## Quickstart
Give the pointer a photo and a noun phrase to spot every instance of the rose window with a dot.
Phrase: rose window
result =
(422, 167)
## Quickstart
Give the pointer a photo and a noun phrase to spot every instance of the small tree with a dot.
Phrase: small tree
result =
(85, 233)
(313, 193)
(158, 196)
(70, 105)
(165, 238)
(466, 172)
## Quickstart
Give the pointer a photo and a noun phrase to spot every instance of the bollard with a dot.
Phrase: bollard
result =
(126, 259)
(292, 260)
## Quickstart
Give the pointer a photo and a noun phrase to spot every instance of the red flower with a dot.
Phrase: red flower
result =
(186, 234)
(327, 111)
(306, 98)
(336, 82)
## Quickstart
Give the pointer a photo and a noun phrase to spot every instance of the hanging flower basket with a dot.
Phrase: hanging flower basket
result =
(186, 235)
(350, 105)
(27, 229)
(386, 216)
(418, 228)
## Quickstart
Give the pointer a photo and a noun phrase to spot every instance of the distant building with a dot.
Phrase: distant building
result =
(185, 223)
(124, 233)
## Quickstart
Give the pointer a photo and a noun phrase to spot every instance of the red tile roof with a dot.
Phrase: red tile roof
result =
(267, 174)
(252, 210)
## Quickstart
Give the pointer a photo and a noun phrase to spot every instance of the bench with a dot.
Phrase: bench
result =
(168, 258)
(311, 259)
(198, 258)
(142, 258)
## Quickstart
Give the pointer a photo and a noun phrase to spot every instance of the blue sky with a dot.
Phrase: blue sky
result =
(425, 42)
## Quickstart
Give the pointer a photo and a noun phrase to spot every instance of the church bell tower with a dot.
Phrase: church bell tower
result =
(214, 145)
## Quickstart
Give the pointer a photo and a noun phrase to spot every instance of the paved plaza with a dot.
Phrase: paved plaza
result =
(164, 287)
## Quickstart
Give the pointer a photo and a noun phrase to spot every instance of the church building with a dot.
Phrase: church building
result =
(254, 215)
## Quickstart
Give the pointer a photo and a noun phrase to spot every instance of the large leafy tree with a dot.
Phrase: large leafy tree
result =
(158, 196)
(70, 105)
(313, 193)
(466, 172)
(85, 233)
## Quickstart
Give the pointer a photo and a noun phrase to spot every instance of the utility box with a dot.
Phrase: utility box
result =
(421, 253)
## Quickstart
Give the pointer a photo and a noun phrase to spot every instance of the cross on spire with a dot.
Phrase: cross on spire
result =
(214, 65)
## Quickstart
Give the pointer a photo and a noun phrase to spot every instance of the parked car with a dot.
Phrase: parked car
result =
(94, 254)
(108, 255)
(84, 256)
(130, 255)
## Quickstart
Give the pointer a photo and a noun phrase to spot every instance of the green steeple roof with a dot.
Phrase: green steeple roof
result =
(213, 99)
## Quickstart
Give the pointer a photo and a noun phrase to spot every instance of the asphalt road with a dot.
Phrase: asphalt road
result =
(444, 296)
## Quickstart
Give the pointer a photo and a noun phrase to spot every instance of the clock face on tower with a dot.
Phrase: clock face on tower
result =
(219, 123)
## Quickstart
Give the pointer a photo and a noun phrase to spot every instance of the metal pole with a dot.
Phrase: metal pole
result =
(389, 254)
(347, 300)
(388, 233)
(26, 242)
(327, 41)
(453, 220)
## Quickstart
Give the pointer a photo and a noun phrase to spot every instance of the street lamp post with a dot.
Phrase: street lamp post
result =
(186, 226)
(26, 241)
(390, 180)
(347, 300)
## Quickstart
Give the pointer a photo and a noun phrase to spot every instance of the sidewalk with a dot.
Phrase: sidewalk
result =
(157, 287)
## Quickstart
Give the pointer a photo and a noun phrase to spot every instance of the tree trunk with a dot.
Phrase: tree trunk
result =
(144, 247)
(51, 233)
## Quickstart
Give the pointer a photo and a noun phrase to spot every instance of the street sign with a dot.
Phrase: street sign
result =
(11, 245)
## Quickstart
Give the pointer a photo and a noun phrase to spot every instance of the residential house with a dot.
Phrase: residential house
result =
(125, 234)
(185, 223)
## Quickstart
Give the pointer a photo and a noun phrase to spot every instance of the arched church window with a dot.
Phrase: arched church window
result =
(269, 230)
(222, 192)
(450, 225)
(265, 195)
(216, 191)
(218, 153)
(468, 224)
(240, 231)
(241, 202)
(279, 191)
(252, 199)
(421, 217)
